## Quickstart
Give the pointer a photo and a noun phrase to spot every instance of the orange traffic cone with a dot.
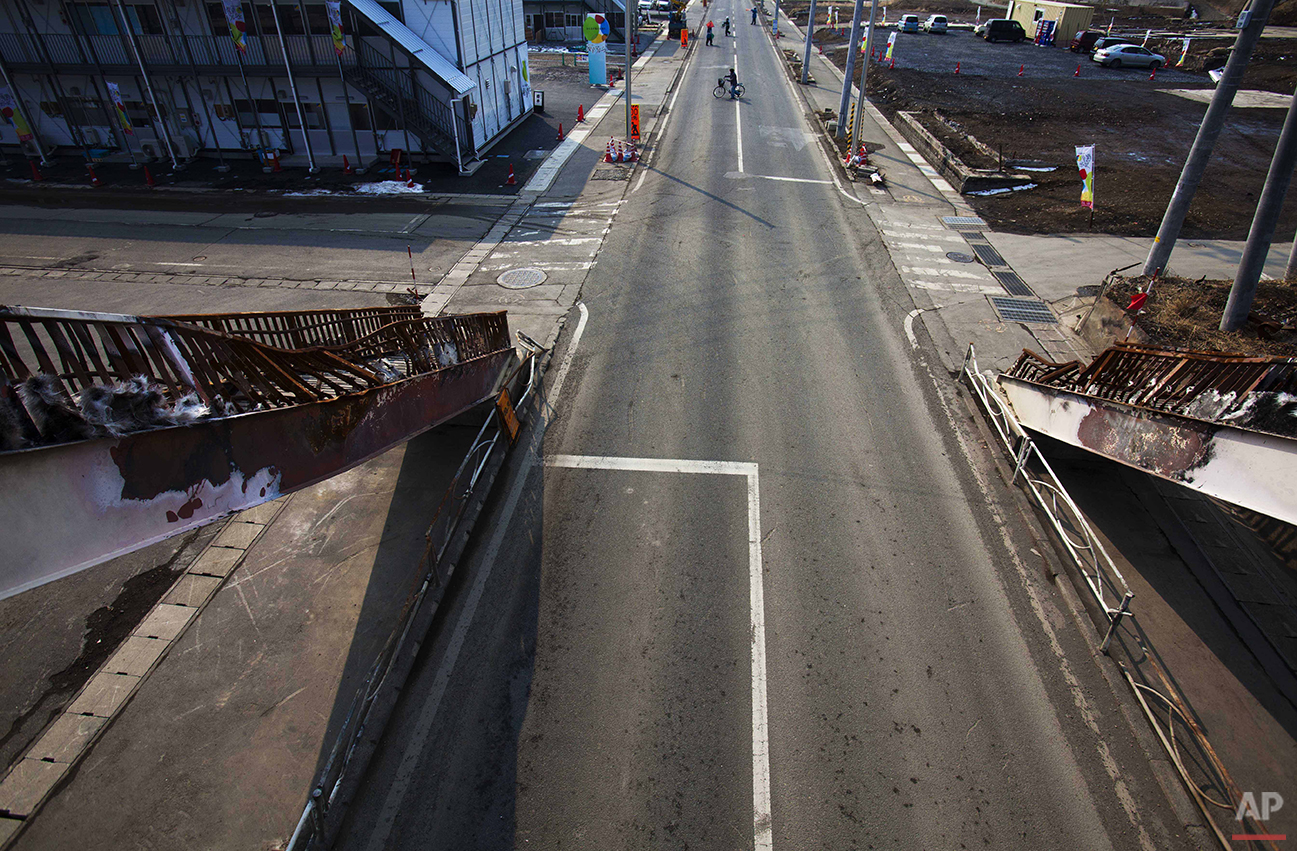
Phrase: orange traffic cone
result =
(580, 114)
(891, 64)
(346, 166)
(560, 131)
(1021, 68)
(276, 169)
(148, 178)
(956, 67)
(1077, 72)
(512, 181)
(1153, 72)
(94, 178)
(36, 173)
(607, 154)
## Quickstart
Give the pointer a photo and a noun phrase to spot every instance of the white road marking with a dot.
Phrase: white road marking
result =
(794, 179)
(738, 120)
(761, 818)
(418, 739)
(942, 273)
(957, 287)
(164, 263)
(919, 246)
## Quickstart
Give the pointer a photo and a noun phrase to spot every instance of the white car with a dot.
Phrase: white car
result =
(935, 24)
(1128, 56)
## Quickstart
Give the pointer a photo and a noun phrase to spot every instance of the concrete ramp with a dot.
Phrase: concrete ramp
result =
(1224, 425)
(119, 431)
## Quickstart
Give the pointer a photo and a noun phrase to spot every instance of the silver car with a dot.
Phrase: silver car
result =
(1128, 56)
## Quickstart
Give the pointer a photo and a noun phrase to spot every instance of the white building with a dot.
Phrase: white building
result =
(442, 79)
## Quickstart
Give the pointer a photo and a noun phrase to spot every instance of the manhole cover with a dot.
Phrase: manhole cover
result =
(521, 279)
(960, 257)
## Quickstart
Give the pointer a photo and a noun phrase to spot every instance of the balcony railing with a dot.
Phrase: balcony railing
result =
(111, 51)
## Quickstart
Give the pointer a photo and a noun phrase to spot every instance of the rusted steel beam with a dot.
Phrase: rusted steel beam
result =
(1241, 466)
(70, 506)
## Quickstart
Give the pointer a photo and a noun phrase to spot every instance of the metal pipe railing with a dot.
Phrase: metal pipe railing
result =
(1101, 576)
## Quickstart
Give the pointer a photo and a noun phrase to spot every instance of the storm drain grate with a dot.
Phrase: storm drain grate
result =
(611, 174)
(988, 255)
(1014, 284)
(963, 222)
(1022, 310)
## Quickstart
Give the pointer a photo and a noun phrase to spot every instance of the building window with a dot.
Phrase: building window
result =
(100, 19)
(267, 113)
(553, 20)
(313, 112)
(574, 20)
(85, 112)
(359, 114)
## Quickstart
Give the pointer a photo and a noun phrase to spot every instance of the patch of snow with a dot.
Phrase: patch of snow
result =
(1035, 167)
(389, 187)
(310, 193)
(1003, 191)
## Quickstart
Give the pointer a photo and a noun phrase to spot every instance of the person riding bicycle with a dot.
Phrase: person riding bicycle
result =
(734, 84)
(727, 27)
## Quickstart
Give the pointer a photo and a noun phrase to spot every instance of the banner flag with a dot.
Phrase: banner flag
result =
(1184, 51)
(334, 8)
(9, 109)
(234, 17)
(596, 31)
(120, 108)
(1085, 164)
(891, 42)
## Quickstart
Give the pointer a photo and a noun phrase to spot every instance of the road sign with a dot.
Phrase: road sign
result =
(634, 121)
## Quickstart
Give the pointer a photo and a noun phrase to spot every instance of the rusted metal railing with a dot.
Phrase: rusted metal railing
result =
(1101, 576)
(1167, 380)
(237, 363)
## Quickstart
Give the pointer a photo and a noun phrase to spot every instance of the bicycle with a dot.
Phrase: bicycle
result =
(722, 90)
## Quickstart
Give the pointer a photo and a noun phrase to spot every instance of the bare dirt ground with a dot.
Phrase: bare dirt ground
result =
(1185, 314)
(1142, 134)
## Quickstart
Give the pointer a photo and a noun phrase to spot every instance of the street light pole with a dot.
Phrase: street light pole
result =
(806, 54)
(864, 73)
(845, 101)
(626, 30)
(1252, 262)
(1251, 22)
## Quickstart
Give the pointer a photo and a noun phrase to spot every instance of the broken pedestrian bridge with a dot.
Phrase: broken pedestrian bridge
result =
(1224, 425)
(118, 431)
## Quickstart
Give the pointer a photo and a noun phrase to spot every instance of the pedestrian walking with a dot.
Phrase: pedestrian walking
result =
(754, 14)
(709, 33)
(727, 27)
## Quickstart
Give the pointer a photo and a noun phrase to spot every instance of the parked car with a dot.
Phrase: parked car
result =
(1083, 42)
(1108, 41)
(935, 24)
(1002, 29)
(908, 24)
(1128, 56)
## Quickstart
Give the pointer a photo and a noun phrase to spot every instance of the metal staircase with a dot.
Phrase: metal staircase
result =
(396, 91)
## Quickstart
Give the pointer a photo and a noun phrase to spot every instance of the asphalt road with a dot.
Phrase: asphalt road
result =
(758, 594)
(366, 246)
